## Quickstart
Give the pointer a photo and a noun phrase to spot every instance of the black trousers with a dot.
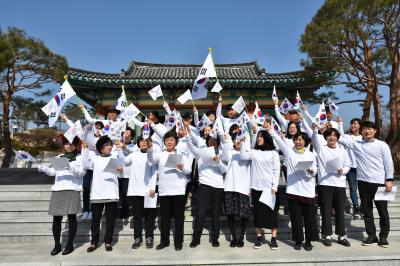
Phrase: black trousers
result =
(139, 212)
(208, 196)
(332, 197)
(367, 194)
(123, 200)
(72, 227)
(298, 212)
(86, 185)
(97, 212)
(172, 206)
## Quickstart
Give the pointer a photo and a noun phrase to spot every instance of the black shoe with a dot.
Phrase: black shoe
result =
(383, 242)
(178, 247)
(162, 245)
(215, 243)
(194, 243)
(371, 240)
(55, 250)
(357, 212)
(273, 244)
(327, 242)
(91, 248)
(149, 242)
(137, 243)
(240, 243)
(344, 242)
(258, 243)
(108, 247)
(297, 245)
(67, 250)
(233, 243)
(307, 246)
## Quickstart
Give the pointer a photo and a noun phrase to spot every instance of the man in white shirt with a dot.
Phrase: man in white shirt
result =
(374, 169)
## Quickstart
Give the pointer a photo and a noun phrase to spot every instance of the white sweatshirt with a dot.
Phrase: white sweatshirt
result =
(325, 154)
(350, 151)
(70, 179)
(237, 178)
(210, 175)
(265, 168)
(170, 181)
(374, 159)
(104, 184)
(298, 182)
(142, 175)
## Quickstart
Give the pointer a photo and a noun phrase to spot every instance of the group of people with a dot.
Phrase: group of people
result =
(233, 169)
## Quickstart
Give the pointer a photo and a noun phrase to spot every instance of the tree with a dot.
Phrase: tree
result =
(347, 37)
(26, 64)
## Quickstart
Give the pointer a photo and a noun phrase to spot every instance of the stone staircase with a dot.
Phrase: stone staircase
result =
(26, 236)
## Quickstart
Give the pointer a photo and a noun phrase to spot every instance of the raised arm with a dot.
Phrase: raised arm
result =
(87, 163)
(86, 114)
(195, 116)
(315, 141)
(280, 118)
(244, 154)
(276, 170)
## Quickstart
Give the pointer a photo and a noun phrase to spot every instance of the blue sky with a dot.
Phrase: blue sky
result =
(106, 35)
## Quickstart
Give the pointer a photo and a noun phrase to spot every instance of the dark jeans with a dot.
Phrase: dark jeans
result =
(298, 212)
(97, 212)
(352, 179)
(208, 196)
(172, 206)
(332, 197)
(123, 201)
(367, 195)
(87, 183)
(139, 212)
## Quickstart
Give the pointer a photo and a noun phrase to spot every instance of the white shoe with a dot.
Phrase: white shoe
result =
(89, 217)
(84, 216)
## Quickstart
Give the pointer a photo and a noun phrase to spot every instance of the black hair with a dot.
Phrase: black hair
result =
(187, 116)
(368, 124)
(202, 131)
(358, 120)
(156, 114)
(304, 136)
(329, 132)
(76, 141)
(207, 139)
(228, 107)
(103, 140)
(112, 110)
(233, 128)
(210, 112)
(139, 140)
(268, 141)
(288, 135)
(171, 134)
(131, 130)
(233, 136)
(99, 123)
(293, 112)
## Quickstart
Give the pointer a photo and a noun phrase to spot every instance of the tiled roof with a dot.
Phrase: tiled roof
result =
(181, 74)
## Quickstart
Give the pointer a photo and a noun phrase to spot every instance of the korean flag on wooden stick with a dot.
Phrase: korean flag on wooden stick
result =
(321, 118)
(274, 95)
(130, 112)
(217, 128)
(275, 125)
(185, 97)
(297, 101)
(258, 116)
(333, 107)
(73, 131)
(204, 122)
(121, 103)
(53, 108)
(207, 71)
(156, 92)
(286, 105)
(217, 87)
(239, 105)
(146, 131)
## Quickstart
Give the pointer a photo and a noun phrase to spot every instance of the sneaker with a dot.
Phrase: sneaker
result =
(308, 246)
(297, 245)
(162, 246)
(89, 217)
(273, 244)
(92, 248)
(108, 247)
(149, 242)
(327, 241)
(258, 243)
(356, 212)
(383, 242)
(137, 243)
(371, 240)
(344, 242)
(84, 216)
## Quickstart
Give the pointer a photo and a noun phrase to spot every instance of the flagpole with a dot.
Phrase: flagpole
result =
(212, 59)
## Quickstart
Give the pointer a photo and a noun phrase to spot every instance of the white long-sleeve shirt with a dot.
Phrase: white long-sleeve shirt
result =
(285, 122)
(374, 159)
(299, 183)
(265, 168)
(210, 175)
(104, 184)
(325, 154)
(158, 135)
(350, 151)
(142, 174)
(171, 181)
(237, 177)
(69, 179)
